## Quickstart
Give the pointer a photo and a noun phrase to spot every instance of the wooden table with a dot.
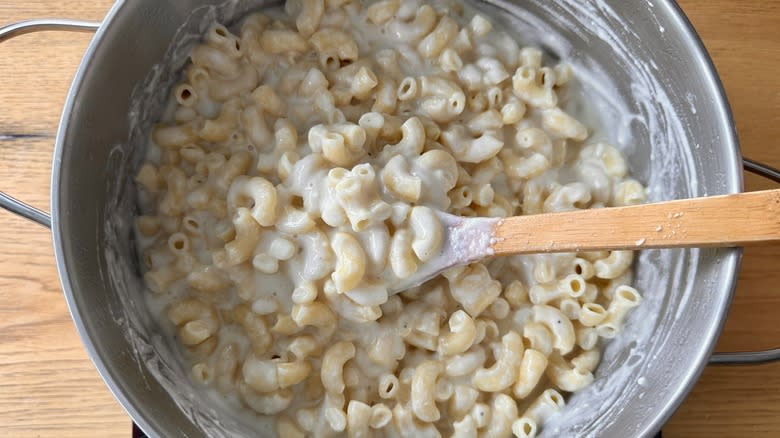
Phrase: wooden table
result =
(48, 386)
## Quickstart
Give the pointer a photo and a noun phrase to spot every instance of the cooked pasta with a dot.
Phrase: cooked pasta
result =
(298, 175)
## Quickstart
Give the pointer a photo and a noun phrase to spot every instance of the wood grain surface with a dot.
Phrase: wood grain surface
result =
(49, 387)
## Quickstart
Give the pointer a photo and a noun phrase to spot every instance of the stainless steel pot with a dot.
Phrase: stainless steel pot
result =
(643, 377)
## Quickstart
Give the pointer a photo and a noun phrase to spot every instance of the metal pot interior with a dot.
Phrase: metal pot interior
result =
(641, 67)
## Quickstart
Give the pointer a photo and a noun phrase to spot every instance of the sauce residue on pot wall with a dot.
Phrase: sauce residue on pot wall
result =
(638, 117)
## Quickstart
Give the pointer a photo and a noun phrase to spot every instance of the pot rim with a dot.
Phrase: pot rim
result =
(730, 262)
(732, 258)
(78, 315)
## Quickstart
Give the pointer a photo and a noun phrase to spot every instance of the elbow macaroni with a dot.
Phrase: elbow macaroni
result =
(299, 171)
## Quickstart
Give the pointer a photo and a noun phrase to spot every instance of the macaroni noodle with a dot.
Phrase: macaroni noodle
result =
(298, 173)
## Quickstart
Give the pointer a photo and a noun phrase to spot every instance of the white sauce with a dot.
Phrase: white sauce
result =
(623, 359)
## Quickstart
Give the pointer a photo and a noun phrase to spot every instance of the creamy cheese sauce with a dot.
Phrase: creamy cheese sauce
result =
(522, 267)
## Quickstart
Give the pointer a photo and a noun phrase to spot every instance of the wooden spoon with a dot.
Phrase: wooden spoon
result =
(716, 221)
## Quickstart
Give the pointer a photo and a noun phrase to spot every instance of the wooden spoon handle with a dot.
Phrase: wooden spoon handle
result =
(716, 221)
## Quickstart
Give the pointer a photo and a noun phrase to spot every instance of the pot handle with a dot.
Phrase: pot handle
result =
(15, 29)
(30, 26)
(751, 357)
